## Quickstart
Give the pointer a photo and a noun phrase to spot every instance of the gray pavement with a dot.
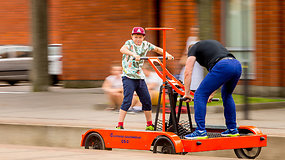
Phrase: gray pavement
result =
(85, 108)
(52, 114)
(20, 152)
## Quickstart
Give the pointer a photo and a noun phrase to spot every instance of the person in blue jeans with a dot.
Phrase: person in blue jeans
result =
(224, 70)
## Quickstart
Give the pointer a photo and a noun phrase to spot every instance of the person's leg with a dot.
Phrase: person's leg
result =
(122, 115)
(144, 96)
(229, 104)
(148, 116)
(117, 99)
(129, 88)
(154, 97)
(112, 101)
(210, 83)
(214, 79)
(142, 92)
(228, 101)
(136, 101)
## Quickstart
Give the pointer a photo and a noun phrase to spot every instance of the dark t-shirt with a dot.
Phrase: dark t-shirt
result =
(208, 52)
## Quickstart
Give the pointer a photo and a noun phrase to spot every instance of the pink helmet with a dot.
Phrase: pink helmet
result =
(138, 30)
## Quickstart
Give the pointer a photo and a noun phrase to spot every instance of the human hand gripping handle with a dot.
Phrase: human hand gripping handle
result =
(169, 56)
(189, 100)
(146, 58)
(136, 57)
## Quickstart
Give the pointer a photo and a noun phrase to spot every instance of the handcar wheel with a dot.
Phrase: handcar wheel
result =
(94, 141)
(183, 153)
(249, 153)
(163, 145)
(12, 83)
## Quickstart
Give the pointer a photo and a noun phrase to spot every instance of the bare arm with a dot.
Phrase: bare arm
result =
(160, 51)
(211, 96)
(188, 75)
(151, 86)
(125, 50)
(106, 86)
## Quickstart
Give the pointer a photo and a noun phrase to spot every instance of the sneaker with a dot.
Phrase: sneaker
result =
(230, 133)
(119, 127)
(149, 128)
(197, 135)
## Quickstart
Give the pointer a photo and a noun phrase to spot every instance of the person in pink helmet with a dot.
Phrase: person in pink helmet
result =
(133, 77)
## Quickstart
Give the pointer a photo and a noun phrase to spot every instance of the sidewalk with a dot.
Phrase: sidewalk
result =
(59, 117)
(83, 107)
(13, 152)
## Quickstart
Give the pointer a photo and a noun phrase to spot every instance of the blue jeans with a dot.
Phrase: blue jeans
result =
(226, 72)
(138, 85)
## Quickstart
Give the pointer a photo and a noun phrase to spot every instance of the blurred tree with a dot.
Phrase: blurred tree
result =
(205, 19)
(40, 77)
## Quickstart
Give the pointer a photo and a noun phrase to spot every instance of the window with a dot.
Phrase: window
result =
(239, 31)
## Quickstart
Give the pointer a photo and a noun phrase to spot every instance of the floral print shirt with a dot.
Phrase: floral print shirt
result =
(132, 68)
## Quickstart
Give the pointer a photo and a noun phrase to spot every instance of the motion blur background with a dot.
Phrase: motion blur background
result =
(92, 32)
(88, 35)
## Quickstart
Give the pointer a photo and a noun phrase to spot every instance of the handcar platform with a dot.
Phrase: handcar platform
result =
(251, 139)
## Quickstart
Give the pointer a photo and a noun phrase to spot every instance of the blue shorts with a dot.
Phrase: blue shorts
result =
(138, 85)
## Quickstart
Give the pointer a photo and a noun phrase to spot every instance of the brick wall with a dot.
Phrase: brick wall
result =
(270, 43)
(92, 32)
(54, 11)
(217, 20)
(14, 28)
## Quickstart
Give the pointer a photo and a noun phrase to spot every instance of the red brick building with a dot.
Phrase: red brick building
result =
(92, 32)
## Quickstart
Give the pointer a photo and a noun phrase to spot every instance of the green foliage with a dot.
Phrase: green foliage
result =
(239, 99)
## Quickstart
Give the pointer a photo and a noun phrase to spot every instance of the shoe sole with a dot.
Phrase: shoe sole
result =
(230, 135)
(205, 137)
(149, 129)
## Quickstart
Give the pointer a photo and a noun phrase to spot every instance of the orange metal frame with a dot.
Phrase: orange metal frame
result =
(164, 70)
(175, 84)
(143, 140)
(223, 143)
(132, 139)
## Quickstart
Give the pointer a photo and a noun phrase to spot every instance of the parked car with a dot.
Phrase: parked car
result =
(16, 63)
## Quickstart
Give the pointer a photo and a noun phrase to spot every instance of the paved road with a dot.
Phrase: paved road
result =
(18, 152)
